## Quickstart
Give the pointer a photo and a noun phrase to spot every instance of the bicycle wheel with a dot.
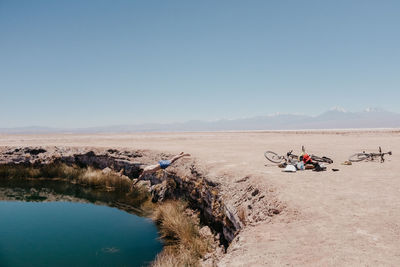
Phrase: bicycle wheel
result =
(358, 157)
(273, 157)
(323, 159)
(327, 160)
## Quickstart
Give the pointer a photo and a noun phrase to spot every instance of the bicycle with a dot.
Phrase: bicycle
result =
(357, 157)
(275, 158)
(292, 158)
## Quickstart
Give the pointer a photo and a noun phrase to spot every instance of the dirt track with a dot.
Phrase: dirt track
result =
(350, 217)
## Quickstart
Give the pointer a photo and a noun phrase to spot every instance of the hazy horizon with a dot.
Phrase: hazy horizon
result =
(339, 109)
(335, 118)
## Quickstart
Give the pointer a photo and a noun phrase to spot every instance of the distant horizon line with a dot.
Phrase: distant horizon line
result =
(270, 115)
(327, 130)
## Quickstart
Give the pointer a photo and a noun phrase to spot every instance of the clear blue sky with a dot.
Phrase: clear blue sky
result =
(90, 63)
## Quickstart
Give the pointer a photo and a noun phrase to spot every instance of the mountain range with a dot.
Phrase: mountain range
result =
(336, 118)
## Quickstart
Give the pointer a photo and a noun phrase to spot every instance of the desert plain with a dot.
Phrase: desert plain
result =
(346, 218)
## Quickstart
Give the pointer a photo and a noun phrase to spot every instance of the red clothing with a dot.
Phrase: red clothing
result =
(307, 159)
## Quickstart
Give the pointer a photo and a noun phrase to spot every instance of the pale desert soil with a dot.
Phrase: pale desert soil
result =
(345, 218)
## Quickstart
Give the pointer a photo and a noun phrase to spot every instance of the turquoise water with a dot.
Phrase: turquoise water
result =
(74, 234)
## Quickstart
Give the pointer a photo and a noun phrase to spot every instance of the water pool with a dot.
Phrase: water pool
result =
(74, 234)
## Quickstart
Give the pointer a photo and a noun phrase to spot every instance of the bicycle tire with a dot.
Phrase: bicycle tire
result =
(273, 157)
(358, 157)
(323, 159)
(328, 160)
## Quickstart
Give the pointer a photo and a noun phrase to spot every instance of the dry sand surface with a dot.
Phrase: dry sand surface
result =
(345, 218)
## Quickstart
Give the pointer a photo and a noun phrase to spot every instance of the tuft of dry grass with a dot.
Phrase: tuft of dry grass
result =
(242, 215)
(183, 244)
(173, 258)
(85, 176)
(97, 178)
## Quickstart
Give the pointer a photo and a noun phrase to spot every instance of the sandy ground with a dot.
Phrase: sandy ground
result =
(345, 218)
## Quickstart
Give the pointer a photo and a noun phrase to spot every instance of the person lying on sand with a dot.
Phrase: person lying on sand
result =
(162, 164)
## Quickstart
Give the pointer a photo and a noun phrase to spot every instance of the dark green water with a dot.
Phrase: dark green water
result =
(74, 234)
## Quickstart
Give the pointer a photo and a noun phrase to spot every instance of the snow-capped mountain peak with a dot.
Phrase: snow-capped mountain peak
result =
(338, 109)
